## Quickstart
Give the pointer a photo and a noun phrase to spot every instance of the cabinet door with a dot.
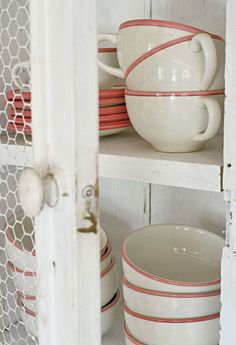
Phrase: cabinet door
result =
(58, 190)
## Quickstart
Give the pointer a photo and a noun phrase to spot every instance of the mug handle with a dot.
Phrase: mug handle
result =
(15, 77)
(117, 72)
(214, 113)
(204, 41)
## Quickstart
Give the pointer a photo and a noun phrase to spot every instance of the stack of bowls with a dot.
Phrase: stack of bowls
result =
(113, 117)
(20, 248)
(174, 76)
(171, 285)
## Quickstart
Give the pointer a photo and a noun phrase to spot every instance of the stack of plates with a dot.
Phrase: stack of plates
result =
(19, 111)
(113, 117)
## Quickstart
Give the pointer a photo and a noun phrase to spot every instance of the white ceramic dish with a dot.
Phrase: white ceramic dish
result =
(129, 339)
(29, 315)
(109, 56)
(176, 122)
(27, 301)
(151, 34)
(108, 282)
(155, 331)
(107, 132)
(106, 257)
(170, 305)
(25, 281)
(20, 242)
(103, 240)
(176, 67)
(109, 313)
(173, 258)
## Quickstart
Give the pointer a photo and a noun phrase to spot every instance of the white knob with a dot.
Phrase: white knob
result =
(34, 191)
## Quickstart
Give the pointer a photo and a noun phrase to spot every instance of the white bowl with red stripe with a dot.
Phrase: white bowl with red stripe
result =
(170, 305)
(176, 121)
(109, 313)
(28, 313)
(25, 281)
(20, 242)
(177, 66)
(137, 37)
(173, 258)
(188, 331)
(108, 282)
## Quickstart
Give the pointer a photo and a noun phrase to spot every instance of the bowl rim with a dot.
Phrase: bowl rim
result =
(161, 47)
(113, 302)
(130, 336)
(15, 269)
(170, 320)
(109, 267)
(163, 24)
(107, 252)
(163, 280)
(174, 93)
(145, 291)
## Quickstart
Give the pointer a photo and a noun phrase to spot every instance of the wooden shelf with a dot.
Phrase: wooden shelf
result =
(128, 156)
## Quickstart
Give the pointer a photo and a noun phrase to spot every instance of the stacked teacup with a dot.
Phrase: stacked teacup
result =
(175, 82)
(20, 249)
(171, 285)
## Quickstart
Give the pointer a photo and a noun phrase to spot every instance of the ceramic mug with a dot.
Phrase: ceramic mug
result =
(175, 122)
(176, 66)
(16, 70)
(107, 56)
(136, 38)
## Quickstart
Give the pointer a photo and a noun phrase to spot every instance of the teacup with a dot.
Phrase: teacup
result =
(136, 38)
(107, 56)
(175, 66)
(176, 122)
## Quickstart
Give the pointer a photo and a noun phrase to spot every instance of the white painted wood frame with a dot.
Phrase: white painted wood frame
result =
(65, 139)
(228, 297)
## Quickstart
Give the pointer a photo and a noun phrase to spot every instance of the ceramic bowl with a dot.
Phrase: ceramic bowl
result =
(106, 258)
(177, 66)
(109, 56)
(109, 313)
(20, 242)
(173, 258)
(176, 122)
(108, 282)
(25, 281)
(170, 305)
(28, 313)
(188, 331)
(129, 339)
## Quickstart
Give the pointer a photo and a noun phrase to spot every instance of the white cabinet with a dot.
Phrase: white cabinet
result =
(138, 186)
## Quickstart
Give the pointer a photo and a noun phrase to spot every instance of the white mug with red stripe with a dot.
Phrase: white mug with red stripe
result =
(176, 122)
(138, 38)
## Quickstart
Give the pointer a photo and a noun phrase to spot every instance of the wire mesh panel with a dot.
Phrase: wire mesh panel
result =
(18, 312)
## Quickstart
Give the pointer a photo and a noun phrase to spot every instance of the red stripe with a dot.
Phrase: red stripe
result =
(109, 268)
(168, 294)
(164, 24)
(163, 320)
(174, 93)
(13, 268)
(109, 306)
(107, 50)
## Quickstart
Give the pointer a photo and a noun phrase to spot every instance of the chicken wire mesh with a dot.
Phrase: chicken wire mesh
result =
(18, 314)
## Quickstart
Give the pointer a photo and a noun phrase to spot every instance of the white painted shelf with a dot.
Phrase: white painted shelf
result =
(127, 156)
